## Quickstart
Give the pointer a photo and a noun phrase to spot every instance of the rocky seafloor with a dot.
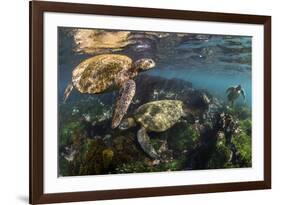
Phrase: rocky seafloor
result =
(212, 135)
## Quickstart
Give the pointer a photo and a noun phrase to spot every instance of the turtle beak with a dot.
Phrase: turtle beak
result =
(127, 123)
(152, 64)
(124, 125)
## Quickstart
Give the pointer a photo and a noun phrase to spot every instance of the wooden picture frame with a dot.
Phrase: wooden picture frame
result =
(37, 9)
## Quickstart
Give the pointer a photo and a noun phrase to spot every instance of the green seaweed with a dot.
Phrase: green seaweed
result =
(68, 131)
(64, 166)
(246, 126)
(90, 160)
(126, 149)
(221, 155)
(107, 156)
(122, 153)
(142, 166)
(182, 138)
(233, 148)
(241, 112)
(243, 143)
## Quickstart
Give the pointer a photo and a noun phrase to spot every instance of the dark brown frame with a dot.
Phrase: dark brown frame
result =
(37, 9)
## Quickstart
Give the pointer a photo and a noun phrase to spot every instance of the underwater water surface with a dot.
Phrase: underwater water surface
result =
(188, 111)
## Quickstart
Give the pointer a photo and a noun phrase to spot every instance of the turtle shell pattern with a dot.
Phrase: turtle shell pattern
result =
(159, 116)
(97, 74)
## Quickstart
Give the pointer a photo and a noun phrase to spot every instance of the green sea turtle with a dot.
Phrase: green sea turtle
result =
(234, 92)
(156, 116)
(104, 73)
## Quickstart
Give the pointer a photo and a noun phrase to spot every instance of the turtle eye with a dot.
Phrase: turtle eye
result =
(151, 62)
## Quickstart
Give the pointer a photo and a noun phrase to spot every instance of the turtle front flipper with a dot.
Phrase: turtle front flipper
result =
(230, 89)
(126, 94)
(145, 144)
(67, 91)
(243, 94)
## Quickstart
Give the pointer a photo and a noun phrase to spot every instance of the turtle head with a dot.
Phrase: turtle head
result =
(144, 64)
(239, 87)
(127, 123)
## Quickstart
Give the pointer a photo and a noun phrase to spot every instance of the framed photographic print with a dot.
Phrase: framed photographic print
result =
(138, 102)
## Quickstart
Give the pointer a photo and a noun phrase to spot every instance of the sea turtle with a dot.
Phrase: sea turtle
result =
(103, 73)
(234, 92)
(156, 116)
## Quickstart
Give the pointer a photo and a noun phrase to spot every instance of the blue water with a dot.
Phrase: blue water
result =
(211, 62)
(214, 82)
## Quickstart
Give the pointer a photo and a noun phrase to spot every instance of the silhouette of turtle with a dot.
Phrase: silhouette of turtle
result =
(234, 92)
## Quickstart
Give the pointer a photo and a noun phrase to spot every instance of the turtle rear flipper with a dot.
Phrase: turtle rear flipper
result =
(145, 144)
(126, 94)
(67, 91)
